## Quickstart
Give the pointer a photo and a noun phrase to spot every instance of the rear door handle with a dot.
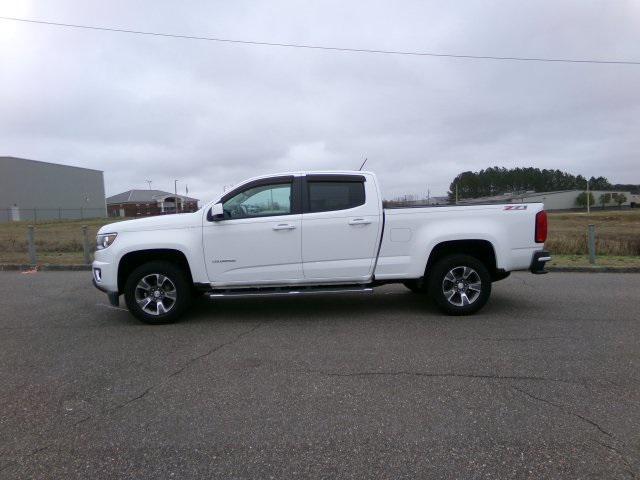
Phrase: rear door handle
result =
(359, 221)
(284, 226)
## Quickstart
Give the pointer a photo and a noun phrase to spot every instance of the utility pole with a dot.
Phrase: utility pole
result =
(149, 183)
(175, 194)
(428, 197)
(456, 193)
(588, 200)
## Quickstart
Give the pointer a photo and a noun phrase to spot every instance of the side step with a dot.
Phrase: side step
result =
(268, 292)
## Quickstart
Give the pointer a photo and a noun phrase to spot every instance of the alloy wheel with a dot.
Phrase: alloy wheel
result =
(156, 294)
(461, 286)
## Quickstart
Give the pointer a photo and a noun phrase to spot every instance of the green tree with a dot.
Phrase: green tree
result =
(599, 183)
(604, 199)
(632, 188)
(497, 180)
(619, 198)
(581, 200)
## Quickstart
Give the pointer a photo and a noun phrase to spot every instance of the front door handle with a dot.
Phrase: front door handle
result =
(359, 221)
(284, 226)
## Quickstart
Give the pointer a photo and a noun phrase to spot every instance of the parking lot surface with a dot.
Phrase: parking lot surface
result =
(542, 383)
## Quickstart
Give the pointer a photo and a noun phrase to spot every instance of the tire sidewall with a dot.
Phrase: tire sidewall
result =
(436, 277)
(175, 274)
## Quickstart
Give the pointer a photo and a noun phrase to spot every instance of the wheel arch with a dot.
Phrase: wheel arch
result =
(132, 260)
(481, 249)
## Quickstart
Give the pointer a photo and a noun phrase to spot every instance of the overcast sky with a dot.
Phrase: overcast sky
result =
(212, 114)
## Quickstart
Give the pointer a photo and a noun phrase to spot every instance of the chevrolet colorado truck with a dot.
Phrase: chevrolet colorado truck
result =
(315, 232)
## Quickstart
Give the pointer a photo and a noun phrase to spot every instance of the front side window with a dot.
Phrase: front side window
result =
(261, 201)
(327, 196)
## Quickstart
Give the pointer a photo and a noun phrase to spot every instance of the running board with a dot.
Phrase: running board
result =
(268, 292)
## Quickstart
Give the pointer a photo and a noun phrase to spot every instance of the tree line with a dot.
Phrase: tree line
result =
(604, 199)
(499, 180)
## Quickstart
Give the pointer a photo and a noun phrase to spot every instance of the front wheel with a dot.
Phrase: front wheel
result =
(157, 292)
(459, 284)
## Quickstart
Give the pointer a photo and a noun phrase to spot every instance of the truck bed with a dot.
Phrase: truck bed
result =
(410, 233)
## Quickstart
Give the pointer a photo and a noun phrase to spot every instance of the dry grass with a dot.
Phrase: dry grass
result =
(57, 241)
(617, 232)
(601, 261)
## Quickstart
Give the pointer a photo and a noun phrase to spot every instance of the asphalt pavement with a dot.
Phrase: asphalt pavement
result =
(543, 383)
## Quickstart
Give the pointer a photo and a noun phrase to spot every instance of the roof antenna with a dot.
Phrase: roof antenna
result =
(365, 161)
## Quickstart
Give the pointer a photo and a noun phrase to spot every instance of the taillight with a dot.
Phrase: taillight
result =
(541, 227)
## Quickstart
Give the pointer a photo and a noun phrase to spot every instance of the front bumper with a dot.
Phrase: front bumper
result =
(538, 261)
(105, 279)
(114, 297)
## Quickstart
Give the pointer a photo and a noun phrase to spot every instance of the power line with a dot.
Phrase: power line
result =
(322, 47)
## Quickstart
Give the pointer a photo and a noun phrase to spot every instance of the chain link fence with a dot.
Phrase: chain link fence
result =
(49, 241)
(34, 215)
(52, 235)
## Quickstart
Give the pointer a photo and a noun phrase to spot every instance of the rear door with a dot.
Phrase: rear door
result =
(259, 239)
(340, 228)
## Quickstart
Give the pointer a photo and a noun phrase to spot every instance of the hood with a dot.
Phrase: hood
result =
(160, 222)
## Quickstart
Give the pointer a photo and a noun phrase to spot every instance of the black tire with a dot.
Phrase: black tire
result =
(453, 267)
(417, 285)
(175, 308)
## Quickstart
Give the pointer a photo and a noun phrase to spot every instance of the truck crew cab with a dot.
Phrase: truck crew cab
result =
(314, 232)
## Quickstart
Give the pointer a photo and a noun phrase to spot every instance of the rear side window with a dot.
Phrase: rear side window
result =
(327, 196)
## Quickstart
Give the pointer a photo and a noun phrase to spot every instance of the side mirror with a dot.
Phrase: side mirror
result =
(216, 213)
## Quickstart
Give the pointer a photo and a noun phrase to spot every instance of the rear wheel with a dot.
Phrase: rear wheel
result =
(459, 284)
(157, 292)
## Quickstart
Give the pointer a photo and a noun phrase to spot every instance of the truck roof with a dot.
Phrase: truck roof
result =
(306, 172)
(314, 172)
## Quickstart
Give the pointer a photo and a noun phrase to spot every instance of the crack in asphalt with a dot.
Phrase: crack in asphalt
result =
(13, 463)
(566, 410)
(630, 470)
(188, 363)
(145, 392)
(587, 420)
(10, 463)
(437, 375)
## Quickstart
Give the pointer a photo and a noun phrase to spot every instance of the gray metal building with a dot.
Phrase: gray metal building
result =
(565, 200)
(32, 190)
(559, 200)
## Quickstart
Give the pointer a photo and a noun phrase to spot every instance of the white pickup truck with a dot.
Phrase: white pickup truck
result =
(315, 232)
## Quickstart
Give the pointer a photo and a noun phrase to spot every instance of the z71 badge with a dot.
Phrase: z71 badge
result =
(515, 207)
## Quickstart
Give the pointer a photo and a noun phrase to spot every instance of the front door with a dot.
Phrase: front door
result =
(259, 239)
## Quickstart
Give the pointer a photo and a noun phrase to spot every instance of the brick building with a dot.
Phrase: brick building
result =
(146, 203)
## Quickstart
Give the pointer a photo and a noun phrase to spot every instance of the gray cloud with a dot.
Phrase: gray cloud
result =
(213, 114)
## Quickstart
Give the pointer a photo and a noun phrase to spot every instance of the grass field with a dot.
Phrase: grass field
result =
(617, 239)
(614, 261)
(57, 241)
(617, 232)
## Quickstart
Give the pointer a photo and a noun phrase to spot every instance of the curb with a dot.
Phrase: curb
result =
(81, 267)
(21, 267)
(595, 269)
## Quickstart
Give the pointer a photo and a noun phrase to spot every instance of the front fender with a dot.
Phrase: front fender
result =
(187, 241)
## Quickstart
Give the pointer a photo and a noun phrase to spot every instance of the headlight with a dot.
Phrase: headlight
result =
(104, 240)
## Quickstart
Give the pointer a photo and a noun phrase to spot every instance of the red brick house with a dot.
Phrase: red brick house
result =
(146, 203)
